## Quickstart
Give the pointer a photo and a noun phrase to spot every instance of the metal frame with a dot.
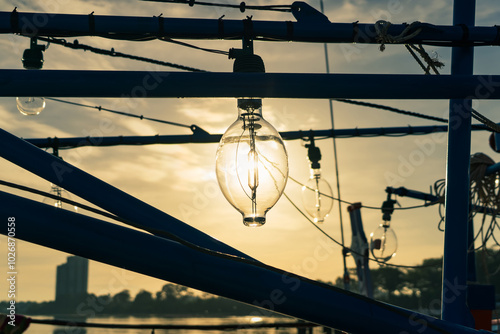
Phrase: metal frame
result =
(142, 84)
(244, 280)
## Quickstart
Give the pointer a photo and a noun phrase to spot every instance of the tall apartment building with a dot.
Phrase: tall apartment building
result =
(72, 282)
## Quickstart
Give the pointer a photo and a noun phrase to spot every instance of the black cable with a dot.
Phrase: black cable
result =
(486, 121)
(399, 111)
(141, 117)
(242, 6)
(366, 206)
(77, 46)
(347, 248)
(169, 40)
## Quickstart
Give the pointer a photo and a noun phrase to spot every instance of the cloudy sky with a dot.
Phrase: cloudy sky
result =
(180, 179)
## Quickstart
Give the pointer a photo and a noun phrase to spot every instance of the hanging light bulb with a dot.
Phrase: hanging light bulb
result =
(383, 241)
(32, 60)
(316, 192)
(317, 196)
(252, 163)
(57, 202)
(30, 106)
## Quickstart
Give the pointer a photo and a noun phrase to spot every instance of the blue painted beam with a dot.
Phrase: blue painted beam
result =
(493, 169)
(215, 138)
(456, 244)
(228, 276)
(67, 25)
(142, 84)
(103, 194)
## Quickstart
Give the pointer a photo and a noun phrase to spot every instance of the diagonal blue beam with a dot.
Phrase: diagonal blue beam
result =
(140, 84)
(243, 280)
(67, 25)
(103, 194)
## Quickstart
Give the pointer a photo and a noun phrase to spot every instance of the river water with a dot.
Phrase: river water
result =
(50, 329)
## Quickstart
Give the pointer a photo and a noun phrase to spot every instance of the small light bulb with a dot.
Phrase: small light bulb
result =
(383, 242)
(317, 196)
(61, 193)
(252, 163)
(30, 106)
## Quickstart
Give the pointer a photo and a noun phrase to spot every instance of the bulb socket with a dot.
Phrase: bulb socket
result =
(249, 63)
(32, 59)
(249, 104)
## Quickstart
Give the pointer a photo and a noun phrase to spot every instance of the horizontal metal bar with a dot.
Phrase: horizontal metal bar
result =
(66, 25)
(101, 193)
(215, 138)
(404, 192)
(140, 84)
(227, 276)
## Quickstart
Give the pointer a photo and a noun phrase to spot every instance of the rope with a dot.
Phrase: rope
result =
(486, 121)
(398, 111)
(100, 108)
(382, 27)
(169, 40)
(242, 6)
(77, 46)
(484, 199)
(434, 63)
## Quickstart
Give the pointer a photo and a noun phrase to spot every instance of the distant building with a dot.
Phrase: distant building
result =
(72, 282)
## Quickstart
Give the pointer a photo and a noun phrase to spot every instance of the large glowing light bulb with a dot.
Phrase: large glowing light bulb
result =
(383, 242)
(60, 193)
(317, 196)
(30, 106)
(252, 163)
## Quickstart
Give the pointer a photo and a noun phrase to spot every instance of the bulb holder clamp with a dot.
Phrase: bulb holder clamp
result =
(387, 209)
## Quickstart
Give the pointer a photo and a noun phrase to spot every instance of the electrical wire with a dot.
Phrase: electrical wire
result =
(141, 117)
(77, 46)
(366, 206)
(242, 6)
(347, 248)
(395, 110)
(169, 40)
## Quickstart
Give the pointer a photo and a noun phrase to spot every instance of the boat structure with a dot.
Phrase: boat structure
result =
(154, 243)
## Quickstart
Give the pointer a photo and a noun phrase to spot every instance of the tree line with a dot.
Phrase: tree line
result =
(416, 288)
(419, 288)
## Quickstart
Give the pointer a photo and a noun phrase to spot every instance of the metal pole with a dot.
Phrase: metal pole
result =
(228, 276)
(71, 25)
(454, 292)
(143, 84)
(335, 156)
(215, 138)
